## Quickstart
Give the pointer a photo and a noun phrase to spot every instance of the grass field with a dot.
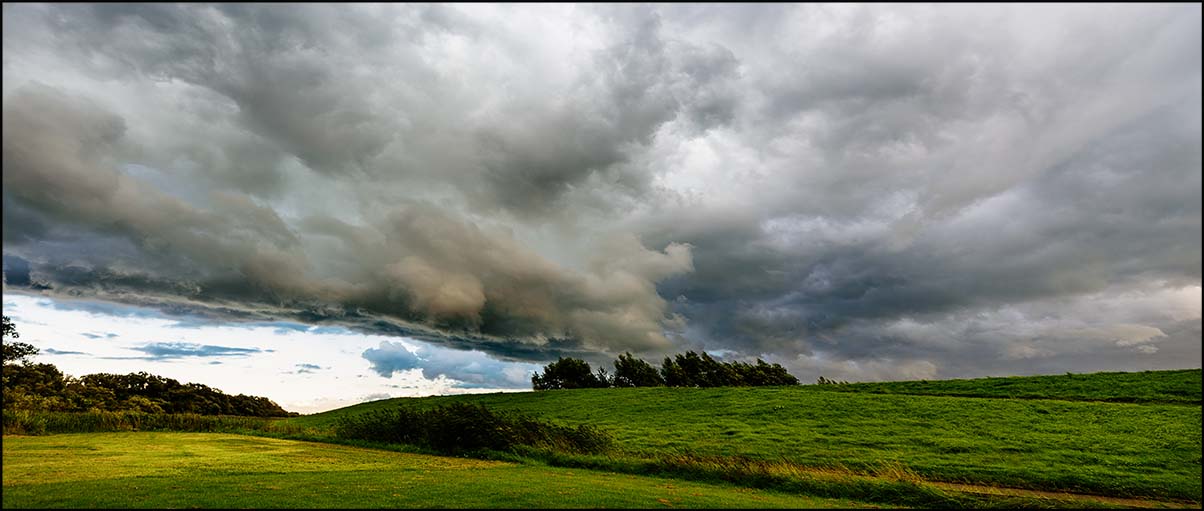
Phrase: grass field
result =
(878, 444)
(171, 470)
(1167, 387)
(1119, 449)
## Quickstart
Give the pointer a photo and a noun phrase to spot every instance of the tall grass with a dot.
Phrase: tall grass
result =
(889, 483)
(26, 422)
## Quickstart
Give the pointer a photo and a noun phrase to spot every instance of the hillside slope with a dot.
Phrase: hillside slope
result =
(1093, 447)
(1166, 387)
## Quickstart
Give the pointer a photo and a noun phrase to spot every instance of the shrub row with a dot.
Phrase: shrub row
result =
(464, 428)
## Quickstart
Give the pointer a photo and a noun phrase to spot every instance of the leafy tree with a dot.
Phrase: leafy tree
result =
(566, 373)
(604, 379)
(18, 352)
(89, 397)
(31, 386)
(700, 370)
(8, 329)
(674, 375)
(40, 379)
(634, 372)
(692, 369)
(141, 404)
(763, 374)
(15, 352)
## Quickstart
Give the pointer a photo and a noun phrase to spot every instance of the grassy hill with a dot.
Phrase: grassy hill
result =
(1106, 448)
(1168, 387)
(1127, 439)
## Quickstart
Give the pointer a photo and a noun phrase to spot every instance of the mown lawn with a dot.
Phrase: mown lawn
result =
(1118, 449)
(212, 470)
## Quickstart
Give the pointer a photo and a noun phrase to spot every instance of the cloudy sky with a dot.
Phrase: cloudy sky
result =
(329, 203)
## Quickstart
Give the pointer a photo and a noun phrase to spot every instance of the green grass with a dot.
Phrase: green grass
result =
(822, 441)
(167, 470)
(1167, 387)
(1118, 449)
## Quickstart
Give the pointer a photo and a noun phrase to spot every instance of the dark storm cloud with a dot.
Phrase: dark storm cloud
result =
(853, 190)
(826, 273)
(16, 270)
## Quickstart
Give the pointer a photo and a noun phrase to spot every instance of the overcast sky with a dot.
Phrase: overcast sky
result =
(417, 199)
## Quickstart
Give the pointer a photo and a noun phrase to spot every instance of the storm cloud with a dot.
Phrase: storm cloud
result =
(859, 191)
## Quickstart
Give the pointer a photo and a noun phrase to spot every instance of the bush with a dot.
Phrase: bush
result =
(463, 428)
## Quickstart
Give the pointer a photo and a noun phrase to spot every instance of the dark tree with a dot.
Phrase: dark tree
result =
(604, 379)
(566, 373)
(674, 375)
(15, 352)
(9, 329)
(700, 370)
(38, 379)
(18, 352)
(763, 374)
(44, 387)
(692, 369)
(634, 372)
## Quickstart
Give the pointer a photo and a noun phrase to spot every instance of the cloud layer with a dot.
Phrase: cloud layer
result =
(853, 190)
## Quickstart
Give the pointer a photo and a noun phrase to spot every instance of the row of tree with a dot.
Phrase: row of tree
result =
(687, 369)
(33, 386)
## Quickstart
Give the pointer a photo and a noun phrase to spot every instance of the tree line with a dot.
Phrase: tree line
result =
(30, 386)
(687, 369)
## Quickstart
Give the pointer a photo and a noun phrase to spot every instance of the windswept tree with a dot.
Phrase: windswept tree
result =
(634, 372)
(692, 369)
(700, 370)
(604, 379)
(763, 374)
(689, 369)
(567, 373)
(674, 375)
